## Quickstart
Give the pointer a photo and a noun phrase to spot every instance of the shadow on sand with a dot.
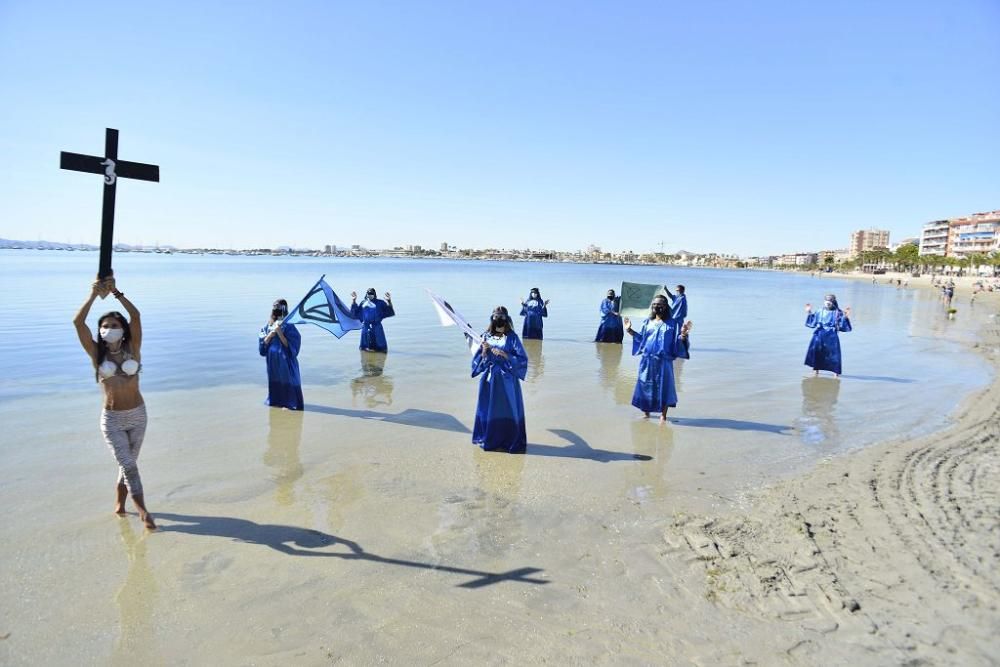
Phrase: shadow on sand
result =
(409, 417)
(580, 449)
(731, 424)
(878, 378)
(295, 541)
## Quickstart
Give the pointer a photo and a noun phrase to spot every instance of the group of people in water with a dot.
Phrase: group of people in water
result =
(500, 361)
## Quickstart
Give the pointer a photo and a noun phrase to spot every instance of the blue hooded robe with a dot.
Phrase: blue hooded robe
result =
(284, 384)
(824, 348)
(658, 344)
(533, 311)
(610, 330)
(500, 421)
(371, 312)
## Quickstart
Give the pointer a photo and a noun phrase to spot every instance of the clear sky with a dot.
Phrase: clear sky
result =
(741, 126)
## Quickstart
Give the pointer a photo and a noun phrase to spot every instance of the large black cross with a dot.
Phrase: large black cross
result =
(112, 168)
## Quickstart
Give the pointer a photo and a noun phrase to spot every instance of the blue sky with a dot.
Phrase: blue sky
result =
(747, 127)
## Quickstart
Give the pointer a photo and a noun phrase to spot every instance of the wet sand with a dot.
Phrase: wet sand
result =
(366, 532)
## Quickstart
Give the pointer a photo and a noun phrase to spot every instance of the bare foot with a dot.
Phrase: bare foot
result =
(147, 520)
(647, 415)
(120, 493)
(663, 418)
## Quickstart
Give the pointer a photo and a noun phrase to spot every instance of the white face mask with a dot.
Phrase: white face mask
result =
(111, 335)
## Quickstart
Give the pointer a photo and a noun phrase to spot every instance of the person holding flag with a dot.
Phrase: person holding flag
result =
(502, 362)
(279, 342)
(371, 312)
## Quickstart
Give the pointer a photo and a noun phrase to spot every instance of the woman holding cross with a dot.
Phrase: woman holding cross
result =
(116, 360)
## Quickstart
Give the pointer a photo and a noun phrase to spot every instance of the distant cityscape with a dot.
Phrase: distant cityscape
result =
(972, 240)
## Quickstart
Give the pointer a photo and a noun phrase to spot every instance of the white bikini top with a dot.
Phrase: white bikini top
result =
(109, 368)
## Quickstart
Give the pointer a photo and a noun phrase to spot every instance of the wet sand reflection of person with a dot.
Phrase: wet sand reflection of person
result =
(819, 399)
(609, 375)
(647, 479)
(372, 387)
(135, 600)
(284, 437)
(536, 358)
(484, 520)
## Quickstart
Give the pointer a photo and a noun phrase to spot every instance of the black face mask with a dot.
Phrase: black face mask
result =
(370, 295)
(278, 312)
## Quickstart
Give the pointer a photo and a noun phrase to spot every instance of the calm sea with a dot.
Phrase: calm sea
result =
(746, 403)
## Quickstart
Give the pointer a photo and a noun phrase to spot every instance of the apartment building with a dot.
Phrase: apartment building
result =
(864, 240)
(978, 233)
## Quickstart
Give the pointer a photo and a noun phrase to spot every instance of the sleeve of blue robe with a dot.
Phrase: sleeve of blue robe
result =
(843, 322)
(638, 338)
(812, 320)
(516, 362)
(261, 347)
(293, 337)
(355, 310)
(607, 307)
(385, 309)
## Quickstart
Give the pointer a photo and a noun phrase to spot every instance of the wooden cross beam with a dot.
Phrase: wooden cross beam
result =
(112, 168)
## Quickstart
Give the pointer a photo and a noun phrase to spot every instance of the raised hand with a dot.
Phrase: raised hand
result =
(354, 296)
(847, 311)
(546, 302)
(388, 297)
(627, 322)
(809, 307)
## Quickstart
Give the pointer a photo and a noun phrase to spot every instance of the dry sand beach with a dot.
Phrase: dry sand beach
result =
(887, 556)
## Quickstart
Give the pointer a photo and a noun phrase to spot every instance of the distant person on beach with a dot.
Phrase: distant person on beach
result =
(371, 312)
(533, 310)
(115, 355)
(503, 364)
(610, 329)
(949, 294)
(824, 347)
(657, 342)
(280, 344)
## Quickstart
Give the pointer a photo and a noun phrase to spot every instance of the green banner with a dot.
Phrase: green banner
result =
(636, 298)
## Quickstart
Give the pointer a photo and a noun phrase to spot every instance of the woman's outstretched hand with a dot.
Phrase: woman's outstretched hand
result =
(809, 307)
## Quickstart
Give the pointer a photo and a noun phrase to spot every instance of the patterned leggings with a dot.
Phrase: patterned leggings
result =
(123, 431)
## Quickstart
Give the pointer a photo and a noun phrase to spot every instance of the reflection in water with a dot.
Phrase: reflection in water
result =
(497, 526)
(283, 439)
(610, 374)
(678, 372)
(372, 387)
(342, 490)
(610, 356)
(536, 360)
(484, 520)
(647, 479)
(819, 398)
(135, 599)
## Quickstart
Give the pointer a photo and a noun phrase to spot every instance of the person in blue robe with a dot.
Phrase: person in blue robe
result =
(371, 312)
(502, 364)
(678, 313)
(657, 342)
(824, 347)
(279, 344)
(610, 329)
(533, 310)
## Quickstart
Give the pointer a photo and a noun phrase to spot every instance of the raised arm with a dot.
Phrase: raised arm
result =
(83, 332)
(134, 321)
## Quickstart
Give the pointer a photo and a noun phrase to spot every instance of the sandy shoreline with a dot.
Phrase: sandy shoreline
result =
(885, 556)
(368, 530)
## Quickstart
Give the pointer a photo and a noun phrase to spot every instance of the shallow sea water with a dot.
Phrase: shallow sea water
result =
(400, 518)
